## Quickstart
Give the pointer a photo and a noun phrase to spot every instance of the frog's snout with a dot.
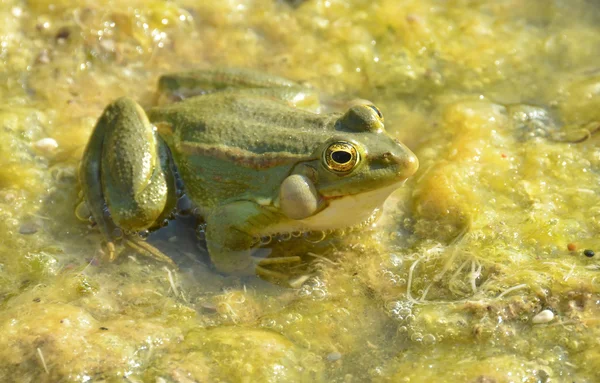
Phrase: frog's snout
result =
(409, 164)
(405, 162)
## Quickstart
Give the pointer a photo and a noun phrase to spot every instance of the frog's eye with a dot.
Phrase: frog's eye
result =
(341, 157)
(377, 111)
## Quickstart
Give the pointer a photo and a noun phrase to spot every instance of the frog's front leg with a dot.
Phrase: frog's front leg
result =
(126, 169)
(231, 235)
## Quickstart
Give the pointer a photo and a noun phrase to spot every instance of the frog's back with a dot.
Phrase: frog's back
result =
(235, 145)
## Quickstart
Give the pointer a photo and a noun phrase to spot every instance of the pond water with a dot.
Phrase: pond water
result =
(484, 267)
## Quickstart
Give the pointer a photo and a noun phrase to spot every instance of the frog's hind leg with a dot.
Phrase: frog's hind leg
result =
(126, 169)
(178, 86)
(212, 80)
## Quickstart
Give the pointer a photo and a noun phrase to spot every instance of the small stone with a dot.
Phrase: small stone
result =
(29, 228)
(43, 57)
(63, 33)
(571, 247)
(46, 145)
(334, 356)
(544, 316)
(208, 306)
(108, 45)
(589, 253)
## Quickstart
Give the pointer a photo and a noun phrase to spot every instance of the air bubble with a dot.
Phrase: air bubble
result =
(314, 236)
(319, 294)
(117, 233)
(416, 337)
(179, 184)
(429, 339)
(400, 310)
(82, 212)
(395, 235)
(268, 323)
(396, 260)
(341, 232)
(265, 240)
(184, 205)
(201, 232)
(285, 236)
(144, 234)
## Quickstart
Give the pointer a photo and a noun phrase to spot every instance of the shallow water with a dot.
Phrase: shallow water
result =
(496, 98)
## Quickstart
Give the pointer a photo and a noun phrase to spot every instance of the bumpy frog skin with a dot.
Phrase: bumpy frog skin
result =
(252, 162)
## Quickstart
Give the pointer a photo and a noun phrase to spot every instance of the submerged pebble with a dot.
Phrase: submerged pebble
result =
(46, 145)
(334, 356)
(544, 316)
(589, 253)
(29, 228)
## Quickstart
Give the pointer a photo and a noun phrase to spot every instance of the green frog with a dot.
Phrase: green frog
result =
(253, 156)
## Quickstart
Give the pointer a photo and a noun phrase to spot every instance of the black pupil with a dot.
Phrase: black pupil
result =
(341, 157)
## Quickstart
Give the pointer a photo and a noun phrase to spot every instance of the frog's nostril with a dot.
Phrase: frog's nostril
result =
(405, 163)
(392, 159)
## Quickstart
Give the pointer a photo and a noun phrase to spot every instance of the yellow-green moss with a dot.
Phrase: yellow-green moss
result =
(443, 288)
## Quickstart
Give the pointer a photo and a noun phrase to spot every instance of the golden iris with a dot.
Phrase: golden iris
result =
(341, 157)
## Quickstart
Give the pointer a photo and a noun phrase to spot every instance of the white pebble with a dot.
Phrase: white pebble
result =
(334, 356)
(543, 316)
(46, 144)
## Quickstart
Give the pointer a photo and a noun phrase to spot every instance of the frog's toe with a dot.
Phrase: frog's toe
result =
(82, 211)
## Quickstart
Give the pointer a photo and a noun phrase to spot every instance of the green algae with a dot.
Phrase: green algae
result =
(443, 288)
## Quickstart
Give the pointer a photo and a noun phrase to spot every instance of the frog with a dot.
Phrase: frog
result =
(252, 151)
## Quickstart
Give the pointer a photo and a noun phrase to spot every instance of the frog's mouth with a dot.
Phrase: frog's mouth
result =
(372, 181)
(363, 194)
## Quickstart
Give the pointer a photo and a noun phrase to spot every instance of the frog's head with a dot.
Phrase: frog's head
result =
(355, 169)
(361, 156)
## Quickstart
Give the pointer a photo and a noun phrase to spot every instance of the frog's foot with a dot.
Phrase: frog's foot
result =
(111, 254)
(110, 251)
(252, 262)
(262, 270)
(146, 249)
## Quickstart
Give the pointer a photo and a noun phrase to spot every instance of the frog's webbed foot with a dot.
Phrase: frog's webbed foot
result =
(142, 247)
(262, 268)
(232, 246)
(112, 246)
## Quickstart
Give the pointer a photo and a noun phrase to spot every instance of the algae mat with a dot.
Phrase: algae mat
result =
(477, 271)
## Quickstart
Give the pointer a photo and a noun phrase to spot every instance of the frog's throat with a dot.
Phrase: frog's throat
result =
(341, 213)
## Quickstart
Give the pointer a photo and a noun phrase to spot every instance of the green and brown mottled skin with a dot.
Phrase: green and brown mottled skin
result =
(251, 160)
